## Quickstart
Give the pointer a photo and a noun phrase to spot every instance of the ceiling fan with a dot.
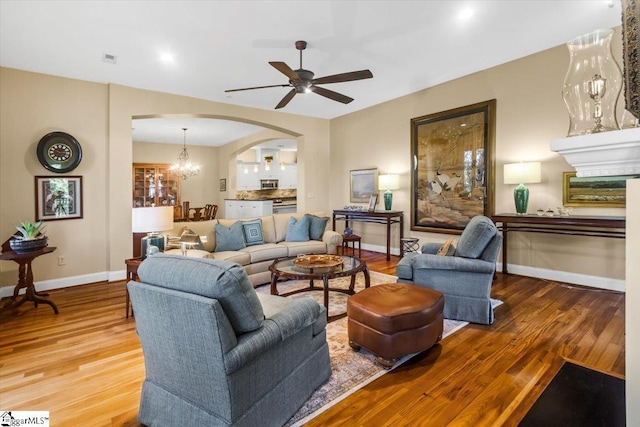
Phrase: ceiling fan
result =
(302, 80)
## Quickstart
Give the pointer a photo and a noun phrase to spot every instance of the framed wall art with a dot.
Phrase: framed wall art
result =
(631, 55)
(363, 184)
(58, 197)
(223, 184)
(601, 191)
(453, 176)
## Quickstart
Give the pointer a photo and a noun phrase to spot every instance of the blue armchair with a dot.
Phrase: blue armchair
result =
(464, 276)
(217, 353)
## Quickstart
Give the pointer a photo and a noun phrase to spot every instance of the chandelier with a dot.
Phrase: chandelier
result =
(184, 166)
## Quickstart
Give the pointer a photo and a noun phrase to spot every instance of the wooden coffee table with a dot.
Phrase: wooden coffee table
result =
(286, 268)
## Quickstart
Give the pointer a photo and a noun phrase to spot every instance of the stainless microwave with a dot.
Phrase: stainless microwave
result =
(269, 184)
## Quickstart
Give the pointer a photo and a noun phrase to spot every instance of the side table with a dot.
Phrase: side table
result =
(132, 274)
(351, 238)
(25, 278)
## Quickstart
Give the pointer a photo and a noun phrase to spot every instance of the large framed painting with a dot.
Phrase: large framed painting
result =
(364, 184)
(453, 174)
(58, 197)
(600, 191)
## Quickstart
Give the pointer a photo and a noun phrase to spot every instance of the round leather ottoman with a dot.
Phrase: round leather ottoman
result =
(395, 319)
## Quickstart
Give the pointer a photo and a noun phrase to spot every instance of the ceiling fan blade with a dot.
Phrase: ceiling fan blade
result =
(255, 87)
(344, 77)
(286, 70)
(288, 97)
(330, 94)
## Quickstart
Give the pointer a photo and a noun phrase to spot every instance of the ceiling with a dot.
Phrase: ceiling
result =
(218, 45)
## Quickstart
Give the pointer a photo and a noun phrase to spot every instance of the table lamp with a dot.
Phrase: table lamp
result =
(388, 183)
(522, 173)
(152, 221)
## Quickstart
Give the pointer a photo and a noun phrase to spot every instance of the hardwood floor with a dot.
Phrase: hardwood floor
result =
(85, 365)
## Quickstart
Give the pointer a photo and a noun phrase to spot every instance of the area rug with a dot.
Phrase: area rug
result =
(578, 396)
(350, 370)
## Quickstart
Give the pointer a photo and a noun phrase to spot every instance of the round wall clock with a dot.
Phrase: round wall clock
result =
(59, 152)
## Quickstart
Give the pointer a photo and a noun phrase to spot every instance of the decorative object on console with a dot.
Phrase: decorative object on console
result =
(183, 165)
(522, 173)
(59, 152)
(58, 197)
(152, 221)
(373, 200)
(592, 84)
(388, 182)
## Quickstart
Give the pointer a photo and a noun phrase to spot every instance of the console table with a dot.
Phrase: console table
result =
(574, 225)
(378, 217)
(25, 278)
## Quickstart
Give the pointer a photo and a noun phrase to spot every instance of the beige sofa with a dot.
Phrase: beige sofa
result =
(256, 259)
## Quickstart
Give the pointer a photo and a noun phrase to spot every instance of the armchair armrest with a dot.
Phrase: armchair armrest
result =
(431, 248)
(404, 269)
(469, 265)
(283, 318)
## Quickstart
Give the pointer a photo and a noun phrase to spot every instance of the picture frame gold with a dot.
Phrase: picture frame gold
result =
(363, 183)
(631, 55)
(601, 191)
(453, 167)
(58, 197)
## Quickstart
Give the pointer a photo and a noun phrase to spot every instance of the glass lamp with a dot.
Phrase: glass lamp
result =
(152, 221)
(388, 183)
(522, 173)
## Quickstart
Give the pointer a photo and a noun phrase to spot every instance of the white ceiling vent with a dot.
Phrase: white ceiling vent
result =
(109, 59)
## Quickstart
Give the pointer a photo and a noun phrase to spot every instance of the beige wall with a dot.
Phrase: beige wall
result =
(530, 113)
(32, 105)
(197, 190)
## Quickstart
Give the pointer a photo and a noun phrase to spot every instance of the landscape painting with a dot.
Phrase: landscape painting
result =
(600, 191)
(453, 168)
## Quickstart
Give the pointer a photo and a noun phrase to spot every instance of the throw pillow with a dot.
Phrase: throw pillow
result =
(298, 230)
(253, 232)
(193, 238)
(448, 249)
(229, 238)
(317, 226)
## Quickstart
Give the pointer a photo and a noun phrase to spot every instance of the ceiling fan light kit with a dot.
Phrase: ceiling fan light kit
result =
(302, 81)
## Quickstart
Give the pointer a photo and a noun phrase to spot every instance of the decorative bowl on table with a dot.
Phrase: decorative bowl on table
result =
(313, 262)
(22, 246)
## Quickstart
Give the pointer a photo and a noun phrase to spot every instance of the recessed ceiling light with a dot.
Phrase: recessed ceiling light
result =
(465, 14)
(166, 57)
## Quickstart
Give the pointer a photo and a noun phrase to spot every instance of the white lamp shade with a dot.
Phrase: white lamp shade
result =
(388, 182)
(522, 173)
(149, 220)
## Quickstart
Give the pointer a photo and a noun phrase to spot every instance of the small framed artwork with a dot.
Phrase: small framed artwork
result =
(372, 202)
(600, 191)
(223, 184)
(363, 184)
(58, 197)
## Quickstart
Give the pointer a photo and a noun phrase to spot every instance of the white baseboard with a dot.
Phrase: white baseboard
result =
(65, 282)
(566, 277)
(380, 249)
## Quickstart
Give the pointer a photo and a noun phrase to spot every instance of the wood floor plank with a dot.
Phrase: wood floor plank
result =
(86, 365)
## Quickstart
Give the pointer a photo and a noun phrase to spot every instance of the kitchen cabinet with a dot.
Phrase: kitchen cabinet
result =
(155, 185)
(249, 180)
(289, 177)
(247, 208)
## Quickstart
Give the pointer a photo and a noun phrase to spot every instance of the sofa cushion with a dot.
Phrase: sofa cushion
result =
(475, 237)
(298, 229)
(268, 251)
(307, 248)
(253, 232)
(448, 249)
(224, 281)
(317, 226)
(238, 257)
(229, 238)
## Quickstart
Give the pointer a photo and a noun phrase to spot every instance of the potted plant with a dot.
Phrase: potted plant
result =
(30, 238)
